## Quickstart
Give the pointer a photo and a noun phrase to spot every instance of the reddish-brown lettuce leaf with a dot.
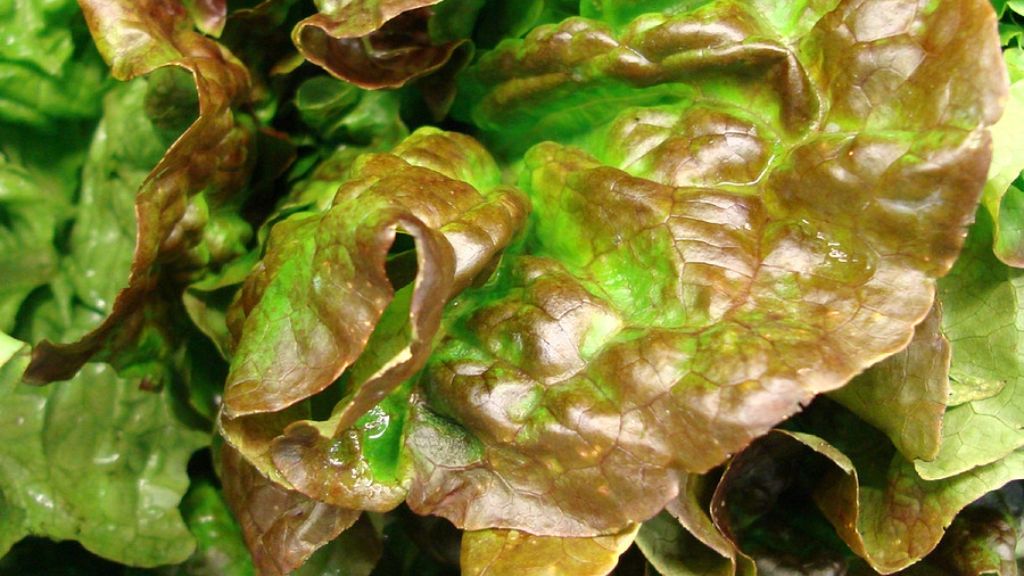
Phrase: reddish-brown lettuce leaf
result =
(905, 395)
(328, 301)
(701, 266)
(202, 169)
(373, 43)
(281, 527)
(310, 307)
(738, 233)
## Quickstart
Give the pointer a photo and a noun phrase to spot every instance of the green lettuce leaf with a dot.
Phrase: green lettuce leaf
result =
(983, 318)
(220, 549)
(509, 552)
(34, 204)
(1003, 197)
(97, 460)
(48, 73)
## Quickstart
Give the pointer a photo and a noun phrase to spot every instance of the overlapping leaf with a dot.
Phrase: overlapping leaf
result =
(871, 494)
(321, 301)
(211, 157)
(310, 307)
(984, 321)
(97, 460)
(1003, 197)
(695, 272)
(282, 528)
(373, 43)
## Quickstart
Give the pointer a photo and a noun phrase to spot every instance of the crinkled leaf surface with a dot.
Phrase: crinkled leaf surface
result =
(310, 307)
(684, 284)
(500, 552)
(736, 206)
(211, 156)
(97, 460)
(983, 318)
(700, 266)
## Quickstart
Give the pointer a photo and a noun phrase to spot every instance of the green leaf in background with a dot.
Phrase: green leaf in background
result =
(49, 70)
(1003, 196)
(98, 460)
(220, 549)
(125, 147)
(33, 207)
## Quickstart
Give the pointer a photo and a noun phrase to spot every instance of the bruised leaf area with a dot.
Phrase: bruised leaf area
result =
(679, 287)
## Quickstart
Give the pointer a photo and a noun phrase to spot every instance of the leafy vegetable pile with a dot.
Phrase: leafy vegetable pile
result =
(717, 286)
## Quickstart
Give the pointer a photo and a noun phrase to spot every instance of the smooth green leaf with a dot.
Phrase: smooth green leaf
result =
(220, 549)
